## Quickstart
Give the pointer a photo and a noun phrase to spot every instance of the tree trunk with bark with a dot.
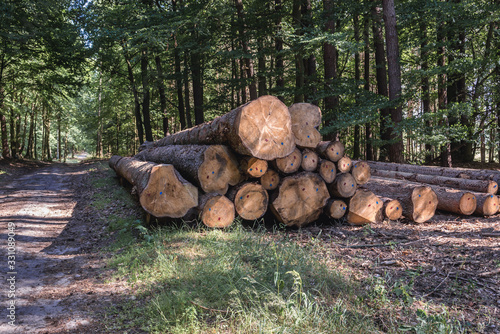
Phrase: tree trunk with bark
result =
(162, 191)
(260, 128)
(213, 168)
(330, 67)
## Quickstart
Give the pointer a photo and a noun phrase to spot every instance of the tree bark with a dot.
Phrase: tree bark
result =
(266, 119)
(244, 44)
(330, 69)
(278, 44)
(163, 192)
(394, 71)
(357, 76)
(299, 64)
(426, 99)
(300, 199)
(484, 186)
(213, 168)
(368, 127)
(196, 72)
(146, 96)
(186, 90)
(161, 92)
(137, 103)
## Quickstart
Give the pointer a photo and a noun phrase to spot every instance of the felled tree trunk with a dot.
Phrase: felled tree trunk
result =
(163, 192)
(393, 210)
(464, 173)
(335, 208)
(361, 172)
(483, 186)
(310, 160)
(305, 118)
(327, 170)
(290, 163)
(487, 205)
(253, 167)
(333, 150)
(216, 210)
(343, 186)
(250, 200)
(365, 208)
(270, 180)
(344, 165)
(213, 168)
(300, 199)
(261, 128)
(419, 202)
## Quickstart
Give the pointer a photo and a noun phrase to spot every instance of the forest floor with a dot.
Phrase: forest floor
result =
(68, 215)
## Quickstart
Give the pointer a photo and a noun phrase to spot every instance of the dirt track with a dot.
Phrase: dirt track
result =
(55, 288)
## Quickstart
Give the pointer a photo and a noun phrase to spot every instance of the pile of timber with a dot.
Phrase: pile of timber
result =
(266, 157)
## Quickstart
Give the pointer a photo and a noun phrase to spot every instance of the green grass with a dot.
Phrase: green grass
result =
(239, 280)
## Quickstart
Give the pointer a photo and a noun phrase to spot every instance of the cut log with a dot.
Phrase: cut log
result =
(365, 208)
(216, 210)
(250, 200)
(361, 172)
(335, 208)
(419, 202)
(343, 186)
(333, 150)
(162, 191)
(254, 167)
(213, 168)
(300, 199)
(450, 200)
(344, 165)
(327, 170)
(305, 119)
(270, 180)
(261, 128)
(482, 186)
(464, 173)
(487, 205)
(290, 163)
(392, 209)
(310, 160)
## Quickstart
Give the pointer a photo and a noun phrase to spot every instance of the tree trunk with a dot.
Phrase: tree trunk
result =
(385, 113)
(299, 64)
(186, 90)
(137, 103)
(426, 99)
(99, 150)
(361, 172)
(327, 170)
(248, 58)
(330, 68)
(484, 186)
(393, 210)
(442, 91)
(262, 68)
(278, 43)
(335, 208)
(250, 200)
(394, 71)
(333, 150)
(162, 190)
(197, 87)
(365, 208)
(310, 160)
(270, 180)
(266, 118)
(368, 127)
(289, 164)
(213, 168)
(146, 96)
(357, 77)
(305, 118)
(31, 135)
(216, 210)
(487, 205)
(419, 202)
(300, 199)
(464, 173)
(343, 186)
(161, 92)
(310, 61)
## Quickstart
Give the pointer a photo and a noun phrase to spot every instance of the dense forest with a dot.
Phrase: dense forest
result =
(411, 80)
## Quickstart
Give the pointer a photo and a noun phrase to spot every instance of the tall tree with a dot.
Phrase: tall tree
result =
(330, 66)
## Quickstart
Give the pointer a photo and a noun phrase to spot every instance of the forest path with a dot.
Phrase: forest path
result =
(54, 264)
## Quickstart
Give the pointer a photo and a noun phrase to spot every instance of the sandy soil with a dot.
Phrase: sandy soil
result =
(57, 262)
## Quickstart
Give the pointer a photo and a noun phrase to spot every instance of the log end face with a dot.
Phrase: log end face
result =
(393, 210)
(489, 206)
(265, 129)
(335, 151)
(306, 136)
(344, 186)
(336, 209)
(166, 196)
(251, 201)
(327, 171)
(366, 205)
(468, 203)
(218, 170)
(270, 180)
(305, 114)
(361, 172)
(291, 163)
(344, 165)
(256, 167)
(425, 202)
(310, 160)
(492, 187)
(218, 212)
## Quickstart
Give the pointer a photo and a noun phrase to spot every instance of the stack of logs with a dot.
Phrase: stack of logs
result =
(265, 157)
